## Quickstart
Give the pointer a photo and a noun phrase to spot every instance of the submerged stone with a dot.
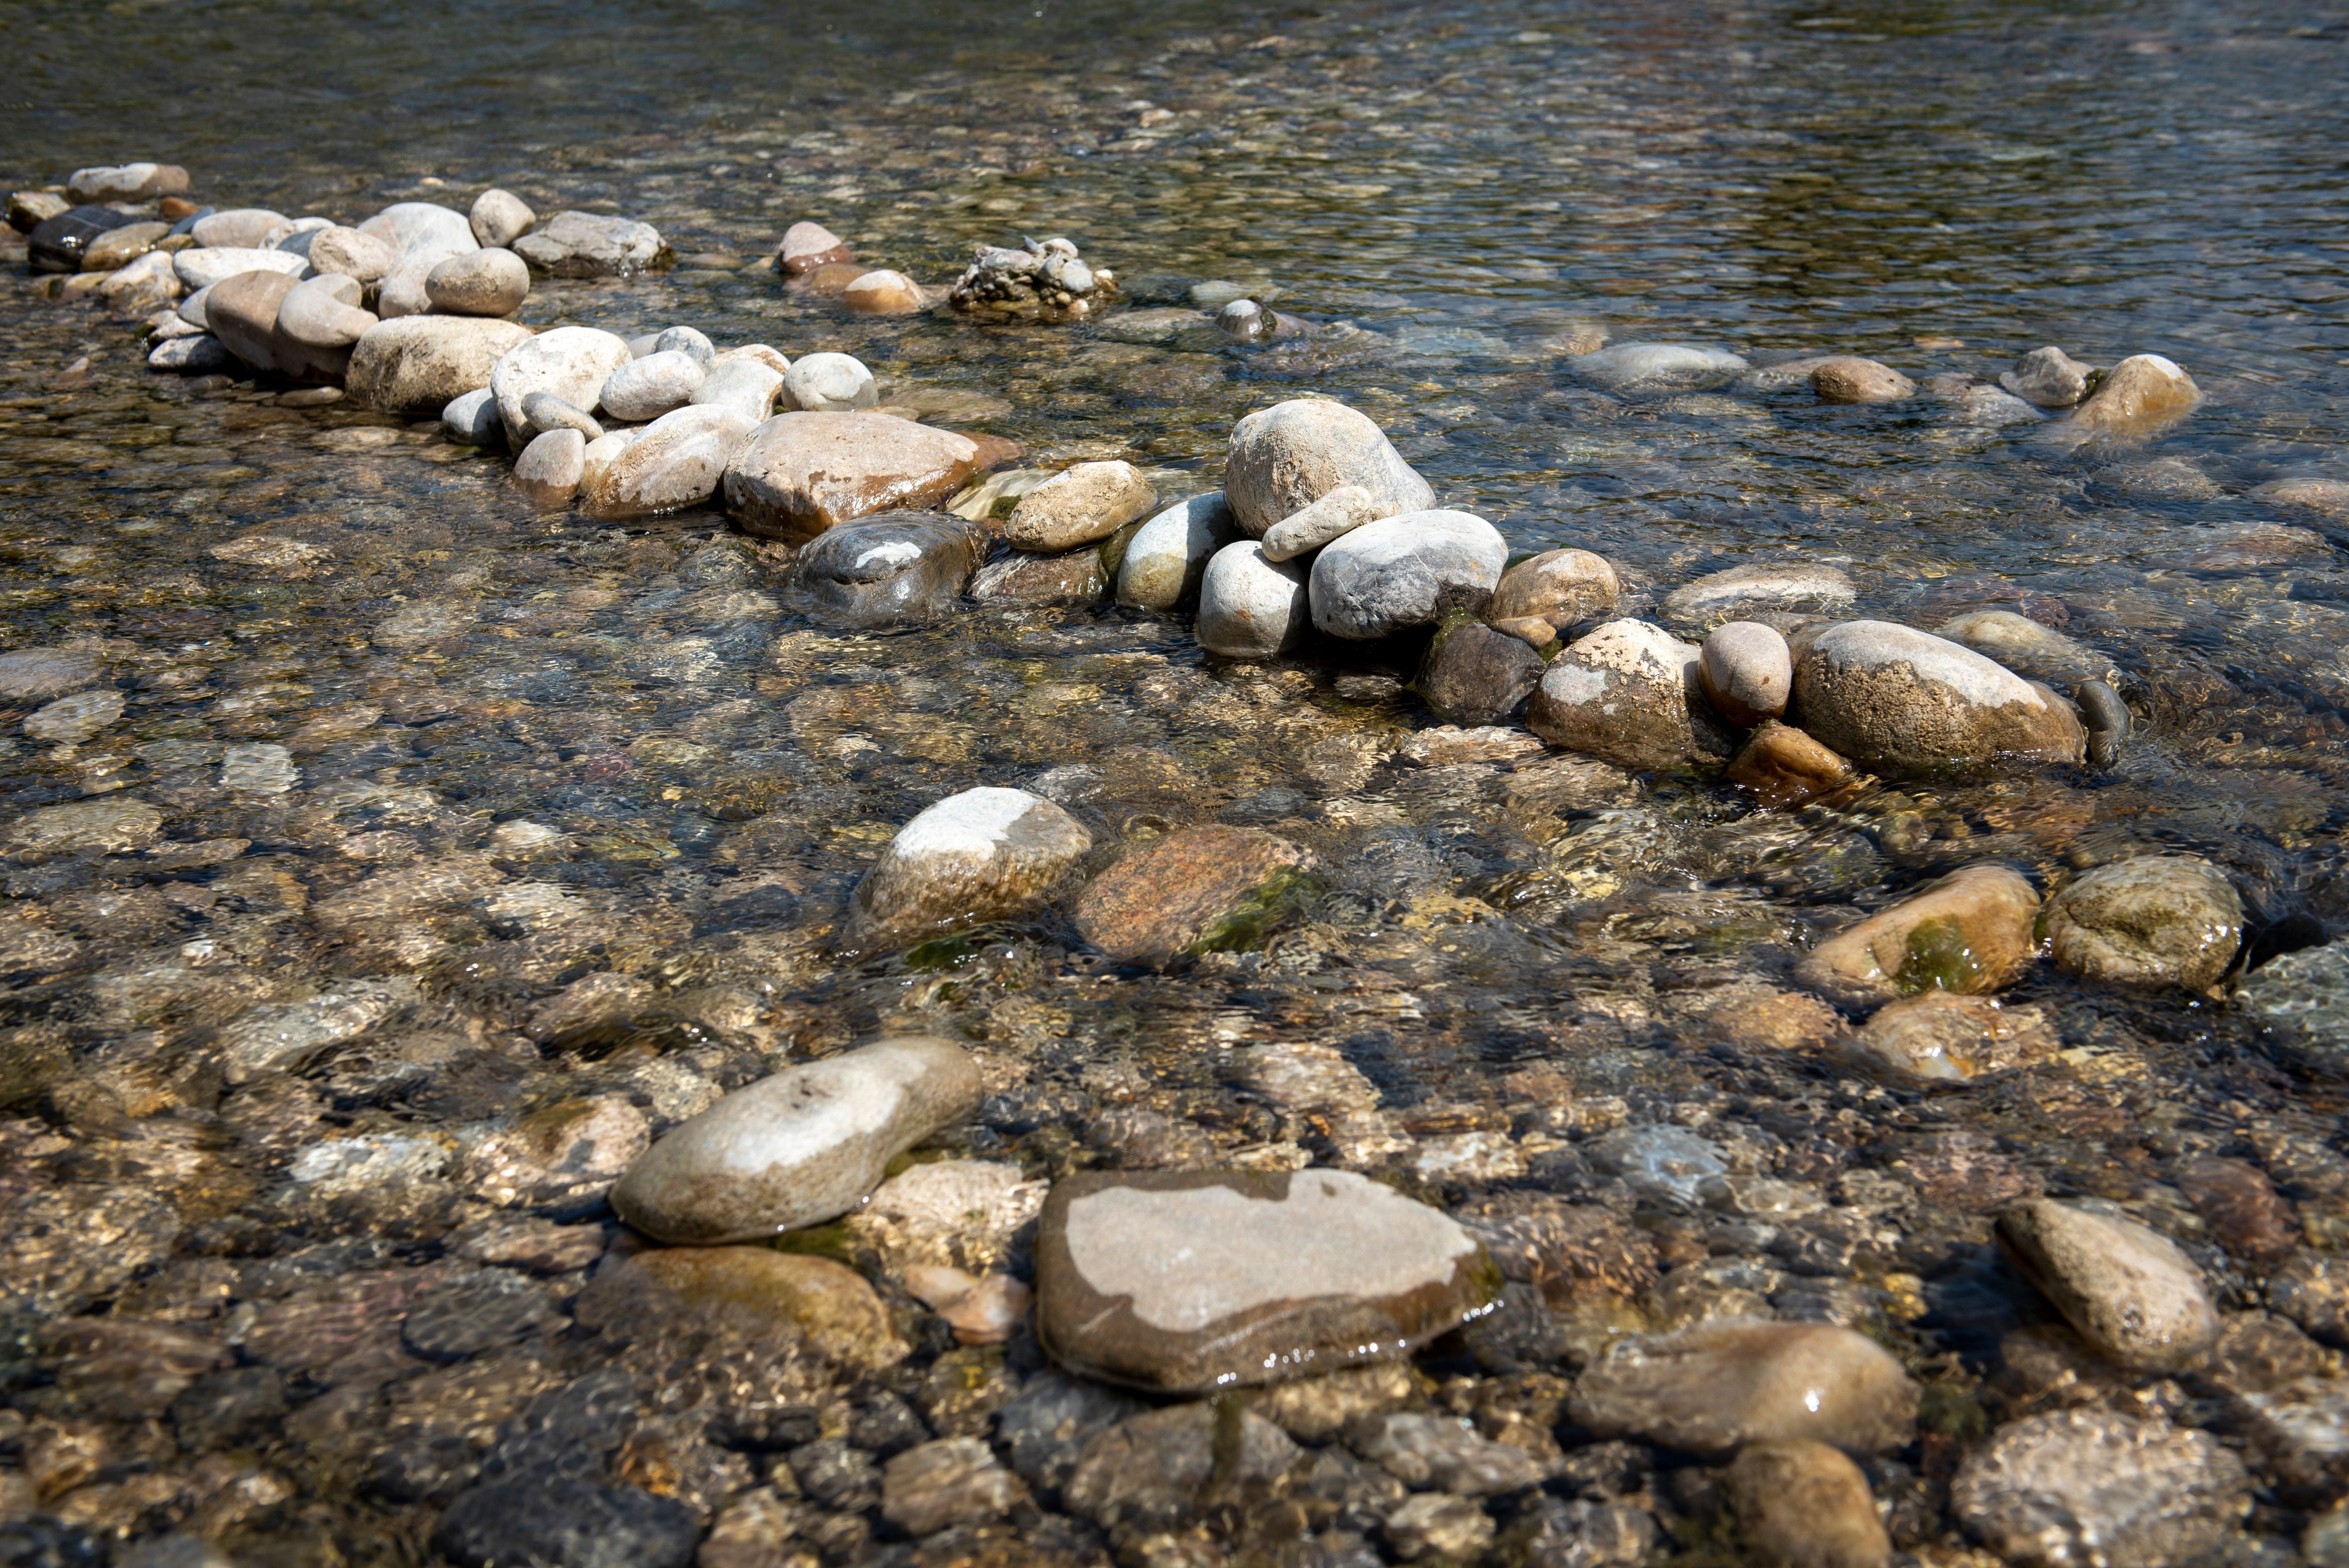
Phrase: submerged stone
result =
(2090, 1486)
(1971, 931)
(899, 568)
(2127, 1289)
(1720, 1385)
(1195, 889)
(982, 855)
(2150, 920)
(1186, 1282)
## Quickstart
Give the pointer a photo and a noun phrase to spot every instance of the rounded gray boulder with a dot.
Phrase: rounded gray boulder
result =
(1284, 458)
(1404, 572)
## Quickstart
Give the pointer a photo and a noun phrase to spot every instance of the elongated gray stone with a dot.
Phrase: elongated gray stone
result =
(800, 1148)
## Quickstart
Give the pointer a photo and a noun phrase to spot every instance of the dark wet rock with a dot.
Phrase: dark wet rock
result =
(808, 245)
(1250, 607)
(2127, 1289)
(2246, 1214)
(1283, 459)
(487, 1312)
(676, 461)
(1409, 569)
(951, 1481)
(883, 571)
(1311, 1271)
(1847, 378)
(2048, 378)
(1792, 592)
(488, 282)
(2058, 1489)
(1746, 672)
(1803, 1504)
(57, 245)
(1628, 694)
(2142, 393)
(417, 363)
(824, 1303)
(1893, 698)
(1476, 676)
(1636, 369)
(1941, 1036)
(1341, 511)
(982, 855)
(2303, 996)
(802, 1147)
(566, 1521)
(1074, 577)
(1167, 557)
(800, 474)
(2151, 921)
(1154, 1471)
(1192, 890)
(1442, 1453)
(590, 245)
(1047, 1427)
(1785, 768)
(1717, 1387)
(1971, 932)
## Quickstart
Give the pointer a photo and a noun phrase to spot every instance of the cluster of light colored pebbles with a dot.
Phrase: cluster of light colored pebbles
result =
(709, 1127)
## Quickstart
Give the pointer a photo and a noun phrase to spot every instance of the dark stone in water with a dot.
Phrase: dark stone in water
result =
(565, 1522)
(56, 244)
(883, 571)
(1477, 676)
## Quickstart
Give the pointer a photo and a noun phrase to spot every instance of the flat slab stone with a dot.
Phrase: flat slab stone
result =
(1189, 1281)
(1191, 889)
(800, 474)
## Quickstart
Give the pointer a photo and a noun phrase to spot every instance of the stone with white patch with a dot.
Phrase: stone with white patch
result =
(1785, 595)
(1406, 571)
(984, 855)
(648, 387)
(899, 568)
(1192, 1282)
(1897, 700)
(800, 1148)
(1649, 369)
(1628, 694)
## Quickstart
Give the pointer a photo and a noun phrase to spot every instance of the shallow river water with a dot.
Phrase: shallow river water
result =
(206, 1280)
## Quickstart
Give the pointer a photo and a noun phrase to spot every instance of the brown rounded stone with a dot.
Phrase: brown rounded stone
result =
(1194, 889)
(1785, 768)
(1803, 1504)
(807, 246)
(829, 1304)
(1848, 378)
(883, 293)
(832, 279)
(1971, 932)
(1559, 586)
(2246, 1214)
(800, 473)
(2143, 392)
(1719, 1386)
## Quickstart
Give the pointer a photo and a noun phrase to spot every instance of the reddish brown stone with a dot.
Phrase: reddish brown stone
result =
(800, 474)
(1786, 767)
(2245, 1212)
(832, 279)
(1170, 896)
